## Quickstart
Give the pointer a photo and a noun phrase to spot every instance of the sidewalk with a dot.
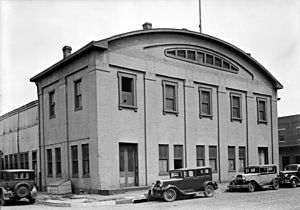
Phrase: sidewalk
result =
(96, 199)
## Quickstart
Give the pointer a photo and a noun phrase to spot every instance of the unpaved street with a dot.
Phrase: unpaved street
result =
(284, 198)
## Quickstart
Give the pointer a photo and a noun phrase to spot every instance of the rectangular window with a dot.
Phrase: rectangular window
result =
(26, 160)
(218, 62)
(191, 55)
(127, 90)
(58, 162)
(74, 153)
(16, 161)
(242, 158)
(261, 110)
(178, 156)
(200, 154)
(34, 161)
(11, 162)
(49, 163)
(85, 160)
(263, 155)
(200, 57)
(205, 102)
(236, 107)
(170, 95)
(209, 59)
(213, 158)
(163, 159)
(281, 135)
(298, 133)
(231, 158)
(51, 104)
(77, 95)
(22, 161)
(6, 161)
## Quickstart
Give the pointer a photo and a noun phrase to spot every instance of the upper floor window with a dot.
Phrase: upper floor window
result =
(262, 110)
(127, 91)
(51, 104)
(298, 133)
(170, 97)
(236, 107)
(77, 95)
(205, 102)
(281, 134)
(201, 57)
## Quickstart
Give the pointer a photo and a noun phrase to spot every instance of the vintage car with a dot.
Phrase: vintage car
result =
(16, 184)
(290, 175)
(255, 177)
(184, 182)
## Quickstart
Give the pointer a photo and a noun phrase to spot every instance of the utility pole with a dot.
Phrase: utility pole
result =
(200, 24)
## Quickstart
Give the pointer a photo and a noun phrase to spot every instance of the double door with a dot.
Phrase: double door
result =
(128, 160)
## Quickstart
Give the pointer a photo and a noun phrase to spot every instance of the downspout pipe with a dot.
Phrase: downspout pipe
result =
(40, 139)
(67, 129)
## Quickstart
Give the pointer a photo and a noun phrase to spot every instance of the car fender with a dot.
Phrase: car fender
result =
(213, 183)
(174, 187)
(294, 177)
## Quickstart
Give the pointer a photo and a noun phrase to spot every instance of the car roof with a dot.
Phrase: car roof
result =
(195, 168)
(17, 170)
(259, 166)
(293, 164)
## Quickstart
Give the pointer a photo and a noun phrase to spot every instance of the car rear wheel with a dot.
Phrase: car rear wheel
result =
(251, 186)
(170, 195)
(275, 184)
(293, 183)
(209, 191)
(22, 191)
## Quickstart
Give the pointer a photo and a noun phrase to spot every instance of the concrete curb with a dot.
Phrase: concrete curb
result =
(56, 203)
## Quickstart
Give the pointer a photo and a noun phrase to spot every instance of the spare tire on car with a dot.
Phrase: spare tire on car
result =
(22, 191)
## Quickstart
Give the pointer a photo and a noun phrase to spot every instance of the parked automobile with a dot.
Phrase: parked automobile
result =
(16, 184)
(255, 177)
(184, 182)
(290, 175)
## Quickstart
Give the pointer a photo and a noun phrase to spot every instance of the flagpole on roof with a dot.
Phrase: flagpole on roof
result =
(200, 24)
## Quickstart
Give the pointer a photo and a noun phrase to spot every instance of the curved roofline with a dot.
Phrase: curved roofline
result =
(104, 44)
(277, 84)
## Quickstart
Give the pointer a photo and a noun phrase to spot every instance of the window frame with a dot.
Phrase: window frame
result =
(242, 157)
(231, 151)
(78, 95)
(160, 158)
(49, 163)
(11, 162)
(201, 114)
(259, 120)
(281, 138)
(134, 91)
(180, 157)
(200, 158)
(75, 166)
(51, 104)
(58, 162)
(166, 83)
(215, 159)
(240, 117)
(85, 160)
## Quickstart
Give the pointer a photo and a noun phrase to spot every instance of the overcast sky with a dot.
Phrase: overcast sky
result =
(33, 32)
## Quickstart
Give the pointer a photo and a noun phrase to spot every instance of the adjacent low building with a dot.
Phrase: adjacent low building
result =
(123, 111)
(289, 139)
(19, 139)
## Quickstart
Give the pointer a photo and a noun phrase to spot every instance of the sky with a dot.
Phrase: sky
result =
(33, 32)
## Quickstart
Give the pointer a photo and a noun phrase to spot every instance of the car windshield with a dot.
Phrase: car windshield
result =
(291, 168)
(249, 170)
(176, 174)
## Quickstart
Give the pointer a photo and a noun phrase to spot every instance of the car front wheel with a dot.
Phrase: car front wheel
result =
(209, 191)
(170, 195)
(275, 184)
(251, 186)
(293, 183)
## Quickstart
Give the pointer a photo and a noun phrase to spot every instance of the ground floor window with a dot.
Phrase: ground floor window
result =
(163, 158)
(74, 154)
(178, 156)
(213, 158)
(85, 160)
(200, 154)
(242, 158)
(49, 163)
(231, 158)
(58, 162)
(263, 155)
